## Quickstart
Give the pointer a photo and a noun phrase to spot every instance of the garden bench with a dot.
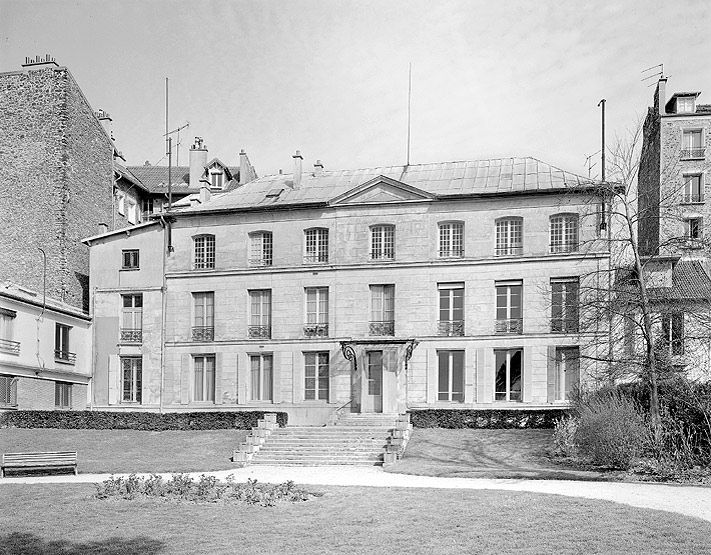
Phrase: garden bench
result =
(60, 459)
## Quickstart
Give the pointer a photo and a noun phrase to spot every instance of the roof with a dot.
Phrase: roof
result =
(479, 177)
(127, 230)
(16, 292)
(689, 282)
(128, 176)
(155, 178)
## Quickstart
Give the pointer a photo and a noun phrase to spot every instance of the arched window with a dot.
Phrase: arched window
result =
(382, 242)
(204, 252)
(451, 239)
(509, 236)
(316, 245)
(260, 248)
(564, 233)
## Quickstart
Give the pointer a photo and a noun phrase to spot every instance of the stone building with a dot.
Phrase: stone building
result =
(382, 289)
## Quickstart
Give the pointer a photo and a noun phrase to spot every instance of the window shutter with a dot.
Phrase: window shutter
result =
(184, 379)
(484, 369)
(218, 379)
(114, 379)
(551, 374)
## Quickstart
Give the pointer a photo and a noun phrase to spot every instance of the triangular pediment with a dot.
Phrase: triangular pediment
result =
(382, 190)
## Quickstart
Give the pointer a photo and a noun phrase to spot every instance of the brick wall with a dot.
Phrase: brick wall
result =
(648, 185)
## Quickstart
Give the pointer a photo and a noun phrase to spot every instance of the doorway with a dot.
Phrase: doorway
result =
(373, 394)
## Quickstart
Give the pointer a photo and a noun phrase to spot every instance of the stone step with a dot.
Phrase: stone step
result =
(322, 462)
(317, 456)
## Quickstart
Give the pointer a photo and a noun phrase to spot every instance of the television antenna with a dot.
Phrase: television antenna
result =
(657, 72)
(177, 140)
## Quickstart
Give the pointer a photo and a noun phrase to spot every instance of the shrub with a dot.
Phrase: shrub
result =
(564, 436)
(487, 418)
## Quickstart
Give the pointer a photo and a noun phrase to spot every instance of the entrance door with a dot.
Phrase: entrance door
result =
(373, 394)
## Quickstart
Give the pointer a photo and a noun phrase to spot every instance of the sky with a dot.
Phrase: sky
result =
(330, 77)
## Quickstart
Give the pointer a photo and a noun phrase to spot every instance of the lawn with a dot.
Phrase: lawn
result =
(66, 520)
(473, 453)
(106, 451)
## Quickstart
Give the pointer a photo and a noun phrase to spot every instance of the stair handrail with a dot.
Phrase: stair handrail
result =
(337, 413)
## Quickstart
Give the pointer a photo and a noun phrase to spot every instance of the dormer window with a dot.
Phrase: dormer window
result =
(685, 105)
(216, 178)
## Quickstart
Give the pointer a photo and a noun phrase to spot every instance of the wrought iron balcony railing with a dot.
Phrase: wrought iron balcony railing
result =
(7, 346)
(382, 255)
(382, 328)
(316, 330)
(512, 325)
(509, 250)
(693, 198)
(450, 328)
(451, 253)
(65, 356)
(564, 325)
(316, 258)
(129, 335)
(693, 153)
(564, 247)
(203, 333)
(260, 332)
(260, 261)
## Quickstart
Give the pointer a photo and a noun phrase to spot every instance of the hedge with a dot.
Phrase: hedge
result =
(486, 418)
(149, 421)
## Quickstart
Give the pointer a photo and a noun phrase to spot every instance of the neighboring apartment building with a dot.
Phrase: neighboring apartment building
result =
(435, 285)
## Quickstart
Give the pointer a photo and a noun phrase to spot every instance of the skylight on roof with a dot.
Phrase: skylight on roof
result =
(274, 193)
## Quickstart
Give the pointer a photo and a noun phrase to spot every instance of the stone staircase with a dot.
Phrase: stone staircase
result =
(354, 439)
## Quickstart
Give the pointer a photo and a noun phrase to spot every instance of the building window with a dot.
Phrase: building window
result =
(451, 376)
(692, 144)
(129, 259)
(260, 323)
(132, 212)
(121, 203)
(564, 233)
(374, 375)
(316, 312)
(694, 228)
(204, 384)
(673, 333)
(61, 344)
(509, 375)
(7, 319)
(567, 372)
(382, 310)
(260, 248)
(131, 376)
(261, 373)
(216, 180)
(132, 318)
(316, 372)
(564, 305)
(316, 246)
(509, 236)
(509, 307)
(693, 188)
(451, 309)
(62, 395)
(204, 319)
(8, 391)
(204, 252)
(451, 240)
(685, 104)
(382, 242)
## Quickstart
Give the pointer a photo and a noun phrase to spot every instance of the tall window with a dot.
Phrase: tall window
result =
(8, 391)
(129, 259)
(509, 236)
(316, 324)
(382, 242)
(132, 318)
(693, 228)
(131, 377)
(509, 307)
(564, 305)
(693, 188)
(121, 203)
(204, 384)
(62, 395)
(374, 375)
(216, 180)
(204, 316)
(260, 248)
(261, 374)
(316, 376)
(673, 333)
(132, 213)
(260, 319)
(61, 344)
(451, 376)
(204, 252)
(509, 375)
(451, 309)
(567, 372)
(451, 240)
(692, 145)
(564, 233)
(316, 245)
(382, 310)
(7, 318)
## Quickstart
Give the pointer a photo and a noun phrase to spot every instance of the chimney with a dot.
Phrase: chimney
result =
(198, 161)
(660, 96)
(40, 61)
(298, 160)
(244, 173)
(103, 228)
(318, 167)
(105, 118)
(204, 192)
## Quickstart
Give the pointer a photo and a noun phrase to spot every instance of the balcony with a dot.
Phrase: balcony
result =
(260, 262)
(382, 328)
(316, 330)
(512, 325)
(564, 247)
(314, 258)
(693, 199)
(203, 333)
(510, 251)
(696, 153)
(451, 253)
(450, 328)
(65, 357)
(7, 346)
(129, 335)
(564, 325)
(259, 332)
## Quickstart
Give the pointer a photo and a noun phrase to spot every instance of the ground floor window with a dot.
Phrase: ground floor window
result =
(8, 391)
(204, 386)
(567, 372)
(262, 372)
(131, 378)
(62, 395)
(316, 372)
(509, 375)
(451, 376)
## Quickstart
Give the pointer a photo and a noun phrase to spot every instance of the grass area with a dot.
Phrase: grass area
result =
(66, 520)
(473, 453)
(108, 451)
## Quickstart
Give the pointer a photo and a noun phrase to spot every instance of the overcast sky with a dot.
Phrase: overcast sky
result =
(490, 79)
